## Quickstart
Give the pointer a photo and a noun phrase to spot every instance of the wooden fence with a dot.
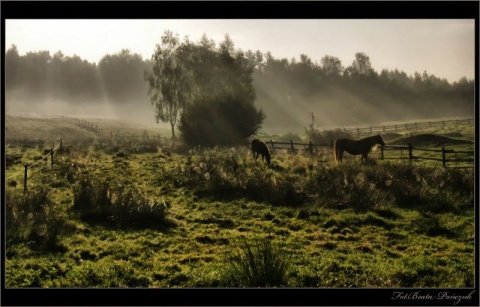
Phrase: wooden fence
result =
(444, 153)
(366, 131)
(80, 122)
(123, 137)
(293, 146)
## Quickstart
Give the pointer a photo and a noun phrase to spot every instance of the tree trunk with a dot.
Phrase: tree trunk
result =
(173, 130)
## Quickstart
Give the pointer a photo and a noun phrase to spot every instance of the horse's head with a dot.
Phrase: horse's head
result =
(379, 140)
(267, 157)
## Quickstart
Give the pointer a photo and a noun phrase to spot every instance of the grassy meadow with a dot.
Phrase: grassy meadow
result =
(112, 213)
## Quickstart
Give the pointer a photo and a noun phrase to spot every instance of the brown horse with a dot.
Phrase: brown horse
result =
(360, 147)
(259, 147)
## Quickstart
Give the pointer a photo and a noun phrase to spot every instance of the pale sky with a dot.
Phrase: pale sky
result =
(442, 47)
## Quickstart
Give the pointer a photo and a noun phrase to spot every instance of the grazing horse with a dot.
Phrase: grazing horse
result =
(360, 147)
(259, 147)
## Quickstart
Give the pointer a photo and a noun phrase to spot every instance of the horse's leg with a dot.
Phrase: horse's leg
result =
(340, 155)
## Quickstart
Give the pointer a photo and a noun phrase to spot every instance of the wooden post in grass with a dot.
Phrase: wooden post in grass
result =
(51, 157)
(310, 147)
(271, 141)
(25, 180)
(291, 146)
(410, 152)
(444, 161)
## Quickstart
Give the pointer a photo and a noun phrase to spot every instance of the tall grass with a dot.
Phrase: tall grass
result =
(33, 217)
(295, 180)
(257, 264)
(98, 202)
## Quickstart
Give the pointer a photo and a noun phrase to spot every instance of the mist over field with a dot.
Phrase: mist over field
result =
(24, 104)
(289, 92)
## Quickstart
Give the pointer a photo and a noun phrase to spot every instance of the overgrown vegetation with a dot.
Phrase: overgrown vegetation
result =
(105, 216)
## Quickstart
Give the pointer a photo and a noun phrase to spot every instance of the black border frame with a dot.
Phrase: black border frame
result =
(240, 10)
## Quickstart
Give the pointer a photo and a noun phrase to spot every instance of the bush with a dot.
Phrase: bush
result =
(221, 120)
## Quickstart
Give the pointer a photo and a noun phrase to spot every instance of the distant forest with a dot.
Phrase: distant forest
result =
(288, 91)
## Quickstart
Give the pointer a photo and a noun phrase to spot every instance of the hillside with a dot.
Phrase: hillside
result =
(431, 140)
(52, 129)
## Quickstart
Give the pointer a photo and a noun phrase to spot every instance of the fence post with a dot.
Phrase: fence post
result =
(443, 157)
(25, 180)
(291, 145)
(396, 129)
(410, 152)
(371, 131)
(310, 147)
(358, 132)
(51, 157)
(271, 142)
(61, 143)
(383, 128)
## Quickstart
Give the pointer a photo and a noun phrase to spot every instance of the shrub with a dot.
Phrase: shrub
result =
(221, 120)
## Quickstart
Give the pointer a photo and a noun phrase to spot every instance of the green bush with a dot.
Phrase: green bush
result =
(220, 120)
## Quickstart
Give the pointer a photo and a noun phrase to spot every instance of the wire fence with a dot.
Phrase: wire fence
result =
(47, 154)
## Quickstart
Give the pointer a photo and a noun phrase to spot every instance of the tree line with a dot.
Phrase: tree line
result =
(226, 87)
(117, 78)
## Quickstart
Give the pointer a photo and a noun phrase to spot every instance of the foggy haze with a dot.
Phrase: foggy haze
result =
(143, 114)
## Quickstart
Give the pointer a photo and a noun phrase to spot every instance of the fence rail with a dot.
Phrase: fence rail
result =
(444, 151)
(310, 147)
(361, 131)
(80, 122)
